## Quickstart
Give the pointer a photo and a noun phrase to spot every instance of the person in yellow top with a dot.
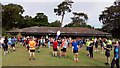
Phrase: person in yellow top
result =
(32, 44)
(87, 46)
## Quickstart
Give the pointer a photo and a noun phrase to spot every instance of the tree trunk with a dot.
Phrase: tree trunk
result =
(62, 20)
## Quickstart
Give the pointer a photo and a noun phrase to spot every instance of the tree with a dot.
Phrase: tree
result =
(111, 19)
(40, 19)
(62, 8)
(55, 24)
(28, 21)
(11, 15)
(79, 18)
(78, 25)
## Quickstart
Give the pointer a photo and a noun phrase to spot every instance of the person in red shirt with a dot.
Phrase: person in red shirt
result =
(55, 46)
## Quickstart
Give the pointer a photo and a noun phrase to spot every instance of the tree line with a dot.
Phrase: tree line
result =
(12, 18)
(110, 18)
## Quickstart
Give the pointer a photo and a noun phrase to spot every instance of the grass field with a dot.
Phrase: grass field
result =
(44, 58)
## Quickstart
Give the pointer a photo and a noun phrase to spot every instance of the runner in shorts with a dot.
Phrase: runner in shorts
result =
(9, 44)
(75, 50)
(32, 44)
(55, 46)
(87, 46)
(13, 40)
(64, 47)
(108, 48)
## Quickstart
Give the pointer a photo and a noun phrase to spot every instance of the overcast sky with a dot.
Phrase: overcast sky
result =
(92, 8)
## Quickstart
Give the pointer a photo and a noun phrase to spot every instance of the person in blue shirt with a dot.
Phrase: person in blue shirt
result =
(116, 56)
(9, 44)
(75, 49)
(13, 41)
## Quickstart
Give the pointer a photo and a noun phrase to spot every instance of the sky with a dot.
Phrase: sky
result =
(92, 8)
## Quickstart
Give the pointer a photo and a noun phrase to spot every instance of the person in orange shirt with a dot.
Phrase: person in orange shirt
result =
(32, 44)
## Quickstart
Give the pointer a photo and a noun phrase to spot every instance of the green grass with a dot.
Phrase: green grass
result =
(44, 58)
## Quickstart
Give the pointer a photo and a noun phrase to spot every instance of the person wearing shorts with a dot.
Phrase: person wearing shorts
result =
(55, 46)
(87, 46)
(13, 40)
(108, 48)
(9, 44)
(75, 50)
(32, 44)
(64, 48)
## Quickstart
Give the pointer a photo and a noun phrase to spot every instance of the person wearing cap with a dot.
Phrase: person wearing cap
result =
(32, 44)
(108, 48)
(75, 49)
(116, 56)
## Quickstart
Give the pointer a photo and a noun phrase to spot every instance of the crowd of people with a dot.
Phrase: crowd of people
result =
(60, 46)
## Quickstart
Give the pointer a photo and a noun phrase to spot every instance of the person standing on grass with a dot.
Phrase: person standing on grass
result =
(37, 45)
(9, 44)
(101, 44)
(59, 43)
(91, 49)
(96, 44)
(32, 44)
(27, 43)
(108, 48)
(13, 40)
(87, 46)
(48, 41)
(55, 46)
(75, 50)
(61, 47)
(2, 41)
(64, 47)
(5, 46)
(116, 55)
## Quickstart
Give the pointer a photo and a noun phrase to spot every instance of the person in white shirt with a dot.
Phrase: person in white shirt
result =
(2, 41)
